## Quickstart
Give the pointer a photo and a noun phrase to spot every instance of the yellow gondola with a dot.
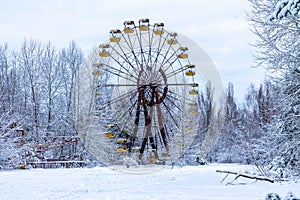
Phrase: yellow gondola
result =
(183, 56)
(194, 112)
(129, 27)
(144, 24)
(159, 32)
(96, 72)
(128, 30)
(115, 35)
(195, 85)
(122, 150)
(110, 135)
(173, 39)
(190, 73)
(159, 29)
(183, 53)
(193, 92)
(144, 28)
(121, 141)
(104, 54)
(152, 159)
(114, 39)
(98, 94)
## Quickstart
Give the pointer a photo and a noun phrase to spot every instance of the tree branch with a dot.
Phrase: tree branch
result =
(245, 176)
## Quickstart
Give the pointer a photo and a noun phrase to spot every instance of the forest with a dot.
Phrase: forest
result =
(263, 129)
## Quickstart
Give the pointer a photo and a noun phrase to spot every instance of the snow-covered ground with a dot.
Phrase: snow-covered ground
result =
(201, 182)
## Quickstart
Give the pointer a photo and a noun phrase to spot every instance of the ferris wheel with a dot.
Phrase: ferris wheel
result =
(143, 102)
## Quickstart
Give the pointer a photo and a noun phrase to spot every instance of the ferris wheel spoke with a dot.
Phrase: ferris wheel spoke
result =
(131, 48)
(118, 112)
(161, 46)
(173, 73)
(110, 68)
(120, 98)
(126, 123)
(169, 61)
(150, 38)
(122, 66)
(164, 58)
(172, 102)
(168, 128)
(189, 100)
(168, 99)
(159, 50)
(123, 96)
(172, 113)
(149, 46)
(139, 38)
(125, 58)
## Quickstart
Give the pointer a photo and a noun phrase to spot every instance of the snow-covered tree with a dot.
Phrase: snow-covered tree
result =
(257, 117)
(51, 82)
(30, 63)
(229, 144)
(70, 60)
(36, 84)
(288, 123)
(277, 26)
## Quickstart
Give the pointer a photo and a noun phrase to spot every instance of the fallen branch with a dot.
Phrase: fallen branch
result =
(245, 176)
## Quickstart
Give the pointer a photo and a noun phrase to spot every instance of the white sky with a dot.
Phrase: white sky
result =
(219, 27)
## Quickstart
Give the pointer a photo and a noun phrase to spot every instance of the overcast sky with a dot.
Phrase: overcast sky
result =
(219, 27)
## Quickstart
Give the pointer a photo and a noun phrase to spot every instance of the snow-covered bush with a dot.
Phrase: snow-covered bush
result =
(275, 196)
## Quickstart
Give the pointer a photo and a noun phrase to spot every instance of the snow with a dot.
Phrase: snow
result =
(147, 183)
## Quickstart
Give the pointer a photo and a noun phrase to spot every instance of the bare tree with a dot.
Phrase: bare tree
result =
(70, 60)
(30, 62)
(51, 80)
